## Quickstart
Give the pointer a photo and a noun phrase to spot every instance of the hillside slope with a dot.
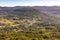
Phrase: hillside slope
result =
(26, 17)
(28, 24)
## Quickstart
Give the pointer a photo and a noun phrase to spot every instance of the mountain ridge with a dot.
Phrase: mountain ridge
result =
(28, 16)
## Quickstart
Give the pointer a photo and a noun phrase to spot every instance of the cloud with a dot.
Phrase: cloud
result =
(29, 2)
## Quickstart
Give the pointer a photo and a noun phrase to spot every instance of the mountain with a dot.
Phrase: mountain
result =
(28, 23)
(55, 10)
(26, 17)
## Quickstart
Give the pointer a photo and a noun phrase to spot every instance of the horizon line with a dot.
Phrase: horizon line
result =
(30, 6)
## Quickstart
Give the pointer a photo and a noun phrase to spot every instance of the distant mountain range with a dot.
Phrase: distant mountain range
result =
(55, 10)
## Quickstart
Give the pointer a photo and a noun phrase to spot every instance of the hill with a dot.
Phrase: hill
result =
(28, 23)
(55, 10)
(27, 16)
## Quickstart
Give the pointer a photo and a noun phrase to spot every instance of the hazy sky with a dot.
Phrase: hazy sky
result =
(29, 2)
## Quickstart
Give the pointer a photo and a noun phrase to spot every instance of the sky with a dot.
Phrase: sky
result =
(29, 2)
